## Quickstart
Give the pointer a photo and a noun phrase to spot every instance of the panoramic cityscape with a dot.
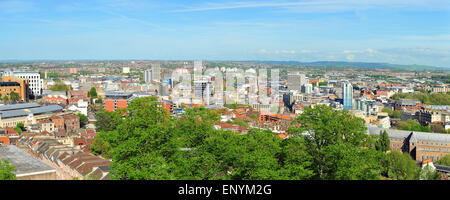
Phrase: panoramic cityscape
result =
(225, 90)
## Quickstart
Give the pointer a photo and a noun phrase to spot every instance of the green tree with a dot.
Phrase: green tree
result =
(444, 160)
(392, 113)
(383, 143)
(295, 159)
(254, 116)
(6, 170)
(99, 101)
(437, 128)
(396, 114)
(59, 86)
(401, 166)
(101, 147)
(412, 125)
(83, 120)
(5, 99)
(239, 122)
(347, 162)
(142, 142)
(387, 110)
(14, 97)
(108, 121)
(321, 127)
(92, 93)
(428, 173)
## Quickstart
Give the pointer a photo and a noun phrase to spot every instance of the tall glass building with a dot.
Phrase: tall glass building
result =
(347, 95)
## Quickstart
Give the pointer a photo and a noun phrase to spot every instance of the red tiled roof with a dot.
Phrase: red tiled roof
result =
(78, 161)
(86, 167)
(11, 132)
(73, 157)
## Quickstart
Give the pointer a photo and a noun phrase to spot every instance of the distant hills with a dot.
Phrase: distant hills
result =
(330, 64)
(338, 65)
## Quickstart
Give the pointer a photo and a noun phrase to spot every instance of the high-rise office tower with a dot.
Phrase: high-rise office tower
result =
(148, 76)
(347, 95)
(156, 72)
(295, 81)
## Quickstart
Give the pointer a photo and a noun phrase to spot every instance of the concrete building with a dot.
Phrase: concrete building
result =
(295, 81)
(156, 72)
(367, 106)
(34, 80)
(125, 70)
(148, 76)
(307, 88)
(28, 168)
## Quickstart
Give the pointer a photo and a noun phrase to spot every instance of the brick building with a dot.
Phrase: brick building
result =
(421, 146)
(408, 104)
(23, 86)
(68, 161)
(117, 100)
(46, 125)
(71, 123)
(57, 98)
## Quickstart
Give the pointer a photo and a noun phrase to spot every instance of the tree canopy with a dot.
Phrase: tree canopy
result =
(59, 86)
(383, 143)
(412, 125)
(83, 120)
(92, 93)
(145, 143)
(6, 170)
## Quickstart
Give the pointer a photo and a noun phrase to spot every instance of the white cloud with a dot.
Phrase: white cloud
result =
(350, 57)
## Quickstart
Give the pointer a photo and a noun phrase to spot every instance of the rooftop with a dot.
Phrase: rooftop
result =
(19, 106)
(24, 162)
(415, 136)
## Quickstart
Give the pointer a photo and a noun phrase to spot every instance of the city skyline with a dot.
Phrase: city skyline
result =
(398, 32)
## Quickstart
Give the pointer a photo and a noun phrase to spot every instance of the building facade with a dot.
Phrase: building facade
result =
(347, 95)
(34, 80)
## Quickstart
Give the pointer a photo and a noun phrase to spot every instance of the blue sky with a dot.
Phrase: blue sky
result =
(393, 31)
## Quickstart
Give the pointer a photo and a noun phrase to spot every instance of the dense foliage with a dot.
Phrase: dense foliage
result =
(383, 143)
(59, 86)
(6, 170)
(430, 99)
(412, 125)
(392, 113)
(83, 120)
(92, 93)
(444, 160)
(145, 143)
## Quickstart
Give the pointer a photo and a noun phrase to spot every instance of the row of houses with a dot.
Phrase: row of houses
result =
(69, 161)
